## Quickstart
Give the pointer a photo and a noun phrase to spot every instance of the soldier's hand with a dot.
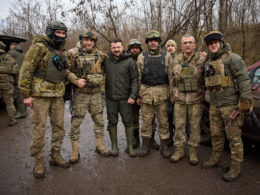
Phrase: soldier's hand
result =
(203, 54)
(28, 101)
(130, 101)
(81, 83)
(138, 101)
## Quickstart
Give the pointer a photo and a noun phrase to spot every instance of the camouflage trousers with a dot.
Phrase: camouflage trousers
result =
(43, 106)
(92, 103)
(218, 128)
(136, 114)
(194, 113)
(18, 96)
(148, 115)
(7, 92)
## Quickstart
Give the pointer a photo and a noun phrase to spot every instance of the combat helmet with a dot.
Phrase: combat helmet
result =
(55, 25)
(153, 34)
(2, 47)
(213, 35)
(134, 42)
(88, 33)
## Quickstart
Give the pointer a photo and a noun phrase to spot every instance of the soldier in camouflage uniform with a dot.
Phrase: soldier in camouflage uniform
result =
(41, 83)
(85, 61)
(154, 94)
(8, 75)
(187, 93)
(17, 53)
(229, 87)
(135, 48)
(171, 47)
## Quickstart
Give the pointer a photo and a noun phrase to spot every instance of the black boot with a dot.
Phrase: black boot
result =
(136, 140)
(165, 148)
(145, 147)
(154, 145)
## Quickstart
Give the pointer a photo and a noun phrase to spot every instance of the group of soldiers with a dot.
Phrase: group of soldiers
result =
(135, 80)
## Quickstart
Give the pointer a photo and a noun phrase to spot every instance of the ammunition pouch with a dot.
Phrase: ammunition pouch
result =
(5, 66)
(187, 80)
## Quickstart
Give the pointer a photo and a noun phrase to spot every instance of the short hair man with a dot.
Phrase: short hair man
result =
(187, 93)
(121, 91)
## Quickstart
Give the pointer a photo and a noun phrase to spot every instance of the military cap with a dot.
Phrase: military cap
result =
(213, 35)
(2, 47)
(171, 42)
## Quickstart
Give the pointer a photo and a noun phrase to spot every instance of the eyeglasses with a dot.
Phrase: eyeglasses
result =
(188, 42)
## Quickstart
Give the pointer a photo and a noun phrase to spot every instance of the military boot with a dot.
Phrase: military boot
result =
(38, 170)
(178, 154)
(145, 150)
(193, 155)
(165, 148)
(113, 138)
(154, 144)
(136, 139)
(12, 122)
(58, 160)
(129, 138)
(74, 158)
(100, 148)
(213, 161)
(233, 172)
(21, 111)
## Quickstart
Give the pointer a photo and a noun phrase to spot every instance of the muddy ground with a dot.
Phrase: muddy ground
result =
(114, 175)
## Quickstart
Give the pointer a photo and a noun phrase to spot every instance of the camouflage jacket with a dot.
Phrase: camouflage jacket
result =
(87, 65)
(153, 94)
(196, 61)
(8, 69)
(235, 67)
(35, 59)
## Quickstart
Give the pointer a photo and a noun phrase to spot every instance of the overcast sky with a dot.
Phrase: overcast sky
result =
(4, 7)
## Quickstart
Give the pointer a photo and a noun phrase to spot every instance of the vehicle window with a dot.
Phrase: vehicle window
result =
(256, 78)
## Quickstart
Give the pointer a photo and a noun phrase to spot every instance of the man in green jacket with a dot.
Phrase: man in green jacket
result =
(42, 85)
(121, 91)
(229, 85)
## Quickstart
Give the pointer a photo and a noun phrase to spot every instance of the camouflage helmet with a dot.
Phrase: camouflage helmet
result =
(2, 47)
(134, 42)
(88, 33)
(55, 25)
(153, 34)
(213, 35)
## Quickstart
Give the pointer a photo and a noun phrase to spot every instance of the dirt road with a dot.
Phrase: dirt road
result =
(113, 175)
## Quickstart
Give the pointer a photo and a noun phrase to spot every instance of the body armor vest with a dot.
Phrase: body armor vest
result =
(51, 73)
(187, 79)
(5, 66)
(215, 74)
(90, 69)
(154, 72)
